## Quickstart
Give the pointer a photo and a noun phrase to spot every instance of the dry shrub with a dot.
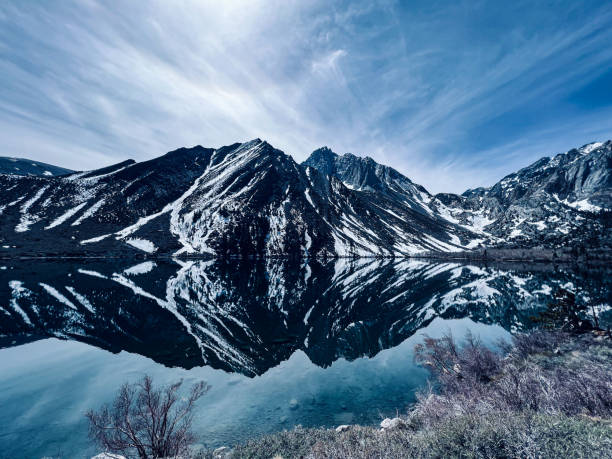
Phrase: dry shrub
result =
(147, 422)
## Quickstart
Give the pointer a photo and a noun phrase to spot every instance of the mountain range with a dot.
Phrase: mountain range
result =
(251, 199)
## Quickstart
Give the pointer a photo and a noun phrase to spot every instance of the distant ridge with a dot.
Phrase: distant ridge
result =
(21, 166)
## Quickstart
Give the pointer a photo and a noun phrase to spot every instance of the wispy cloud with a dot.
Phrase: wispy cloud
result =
(455, 95)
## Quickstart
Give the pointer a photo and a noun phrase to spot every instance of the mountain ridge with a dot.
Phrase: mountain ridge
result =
(251, 199)
(24, 166)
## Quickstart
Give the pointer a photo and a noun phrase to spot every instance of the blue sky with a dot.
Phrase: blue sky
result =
(454, 94)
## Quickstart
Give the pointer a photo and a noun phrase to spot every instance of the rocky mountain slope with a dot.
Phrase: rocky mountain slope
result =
(20, 166)
(553, 202)
(244, 199)
(253, 200)
(365, 174)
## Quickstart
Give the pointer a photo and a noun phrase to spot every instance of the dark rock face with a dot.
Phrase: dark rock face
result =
(365, 174)
(53, 215)
(251, 199)
(20, 166)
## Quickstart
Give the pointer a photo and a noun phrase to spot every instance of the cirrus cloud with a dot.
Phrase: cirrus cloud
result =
(453, 94)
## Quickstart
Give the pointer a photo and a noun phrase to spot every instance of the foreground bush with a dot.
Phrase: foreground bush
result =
(147, 422)
(545, 371)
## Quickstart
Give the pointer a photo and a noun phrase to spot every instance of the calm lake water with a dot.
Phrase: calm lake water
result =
(281, 343)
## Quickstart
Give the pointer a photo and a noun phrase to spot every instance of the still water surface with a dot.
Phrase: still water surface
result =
(282, 343)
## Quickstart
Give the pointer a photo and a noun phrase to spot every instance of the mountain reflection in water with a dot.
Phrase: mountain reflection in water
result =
(248, 316)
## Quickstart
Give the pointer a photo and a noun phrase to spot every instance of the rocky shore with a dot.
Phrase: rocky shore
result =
(548, 395)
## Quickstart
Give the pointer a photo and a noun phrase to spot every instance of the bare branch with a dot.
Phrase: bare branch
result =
(145, 421)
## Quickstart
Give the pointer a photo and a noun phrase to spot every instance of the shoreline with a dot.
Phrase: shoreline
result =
(454, 421)
(493, 255)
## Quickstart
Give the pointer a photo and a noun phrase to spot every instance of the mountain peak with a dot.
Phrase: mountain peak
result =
(322, 159)
(590, 147)
(262, 146)
(364, 174)
(323, 152)
(255, 142)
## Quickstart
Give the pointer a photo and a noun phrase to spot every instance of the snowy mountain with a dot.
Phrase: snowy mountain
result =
(555, 202)
(20, 166)
(251, 199)
(243, 199)
(248, 316)
(365, 174)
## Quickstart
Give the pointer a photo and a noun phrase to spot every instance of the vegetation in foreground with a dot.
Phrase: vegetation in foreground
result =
(145, 421)
(496, 435)
(547, 394)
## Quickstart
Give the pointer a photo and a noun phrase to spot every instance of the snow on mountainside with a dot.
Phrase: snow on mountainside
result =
(251, 199)
(243, 199)
(20, 166)
(365, 174)
(555, 201)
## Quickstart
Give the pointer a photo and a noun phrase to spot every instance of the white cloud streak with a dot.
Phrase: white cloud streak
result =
(86, 84)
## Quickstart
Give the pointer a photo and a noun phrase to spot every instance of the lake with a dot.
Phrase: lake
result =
(281, 342)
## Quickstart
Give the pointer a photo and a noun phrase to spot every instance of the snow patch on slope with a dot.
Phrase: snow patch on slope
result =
(89, 212)
(142, 244)
(58, 296)
(26, 218)
(62, 218)
(141, 268)
(18, 291)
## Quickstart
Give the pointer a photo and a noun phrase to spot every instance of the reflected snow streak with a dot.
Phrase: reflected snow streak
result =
(248, 316)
